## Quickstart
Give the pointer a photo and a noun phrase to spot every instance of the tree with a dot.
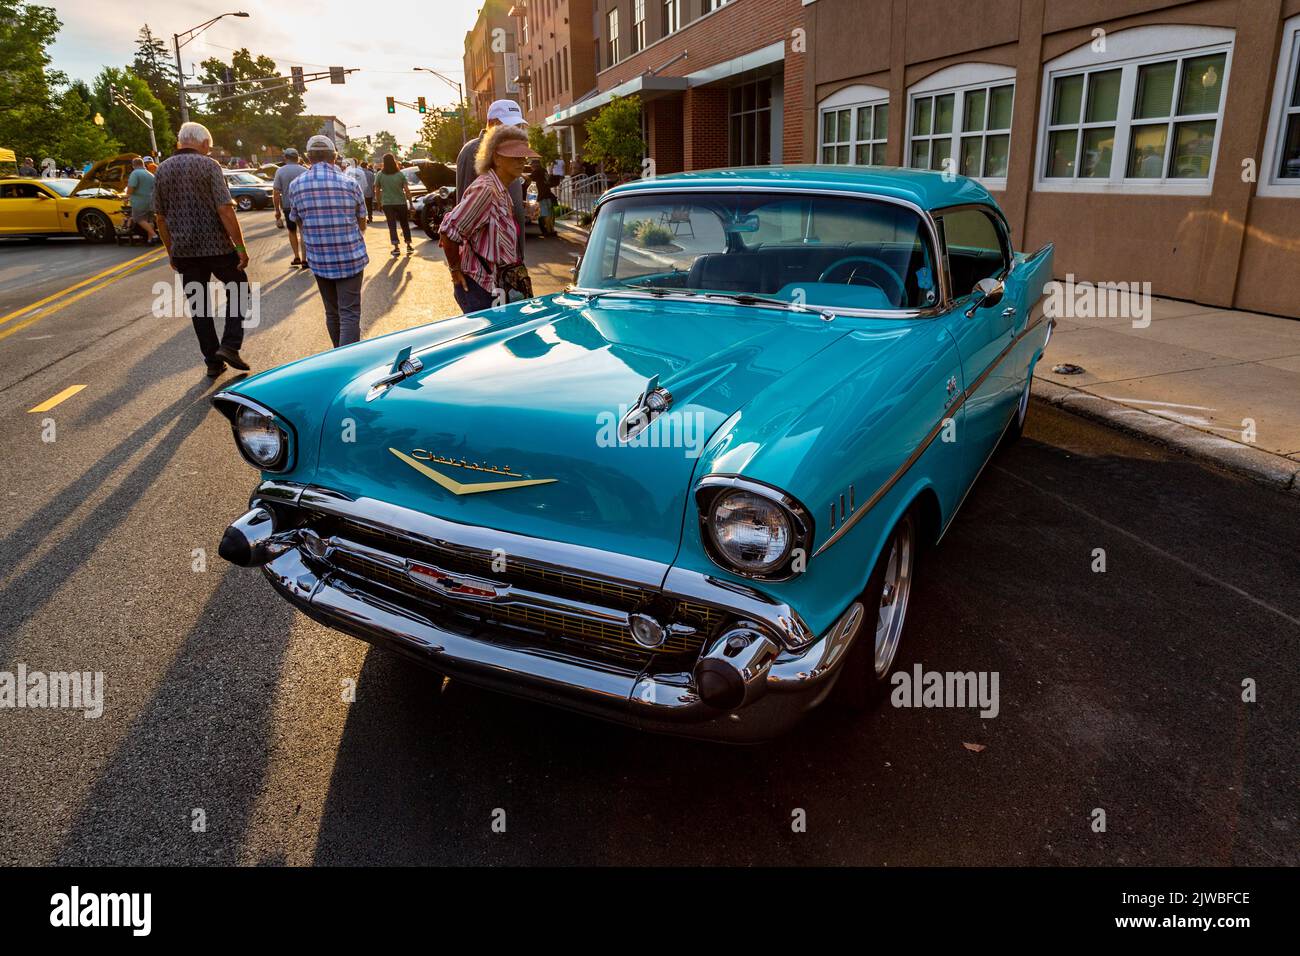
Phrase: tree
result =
(545, 144)
(384, 142)
(153, 64)
(120, 123)
(440, 135)
(271, 118)
(29, 114)
(357, 149)
(79, 138)
(614, 137)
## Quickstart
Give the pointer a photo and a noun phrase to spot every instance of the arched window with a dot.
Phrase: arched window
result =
(960, 119)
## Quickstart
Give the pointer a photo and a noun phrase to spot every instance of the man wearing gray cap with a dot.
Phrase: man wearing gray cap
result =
(331, 216)
(286, 174)
(500, 113)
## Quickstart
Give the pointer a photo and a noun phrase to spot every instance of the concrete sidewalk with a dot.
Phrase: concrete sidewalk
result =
(1196, 377)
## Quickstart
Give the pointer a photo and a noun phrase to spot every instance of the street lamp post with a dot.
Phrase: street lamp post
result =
(460, 99)
(177, 43)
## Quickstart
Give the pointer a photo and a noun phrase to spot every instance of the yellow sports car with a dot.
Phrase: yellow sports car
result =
(46, 207)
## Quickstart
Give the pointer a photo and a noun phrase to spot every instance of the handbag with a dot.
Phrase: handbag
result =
(512, 277)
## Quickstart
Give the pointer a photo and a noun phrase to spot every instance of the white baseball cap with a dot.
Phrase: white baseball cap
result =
(320, 142)
(507, 111)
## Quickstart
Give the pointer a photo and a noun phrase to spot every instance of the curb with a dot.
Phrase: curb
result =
(1276, 471)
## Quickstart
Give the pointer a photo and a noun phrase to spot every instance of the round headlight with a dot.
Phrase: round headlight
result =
(751, 532)
(259, 436)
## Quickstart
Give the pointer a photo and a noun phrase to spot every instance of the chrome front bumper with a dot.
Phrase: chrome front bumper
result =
(783, 672)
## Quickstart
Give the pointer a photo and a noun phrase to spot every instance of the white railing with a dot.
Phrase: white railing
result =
(580, 193)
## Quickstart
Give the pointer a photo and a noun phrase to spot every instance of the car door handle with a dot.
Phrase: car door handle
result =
(1009, 311)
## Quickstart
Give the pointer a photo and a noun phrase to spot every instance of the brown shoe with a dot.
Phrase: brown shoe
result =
(232, 358)
(216, 368)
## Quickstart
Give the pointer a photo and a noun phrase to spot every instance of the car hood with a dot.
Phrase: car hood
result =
(513, 425)
(111, 173)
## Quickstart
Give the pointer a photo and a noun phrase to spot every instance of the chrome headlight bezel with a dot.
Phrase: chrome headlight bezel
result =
(709, 494)
(234, 406)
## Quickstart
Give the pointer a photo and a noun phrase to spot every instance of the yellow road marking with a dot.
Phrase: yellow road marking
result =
(18, 327)
(73, 288)
(63, 396)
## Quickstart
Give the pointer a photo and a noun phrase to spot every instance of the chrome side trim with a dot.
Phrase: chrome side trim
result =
(1036, 317)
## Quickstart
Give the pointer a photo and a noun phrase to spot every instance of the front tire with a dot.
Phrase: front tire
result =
(245, 203)
(94, 226)
(864, 681)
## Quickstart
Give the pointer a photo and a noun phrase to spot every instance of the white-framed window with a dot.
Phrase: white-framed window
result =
(854, 126)
(638, 25)
(960, 119)
(613, 37)
(1144, 116)
(711, 5)
(1280, 175)
(672, 16)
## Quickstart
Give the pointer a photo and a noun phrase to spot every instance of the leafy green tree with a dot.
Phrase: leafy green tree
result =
(440, 135)
(153, 64)
(79, 138)
(271, 118)
(357, 149)
(121, 124)
(614, 137)
(29, 114)
(545, 144)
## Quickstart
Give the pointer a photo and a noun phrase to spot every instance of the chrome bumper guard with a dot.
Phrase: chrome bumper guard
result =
(751, 683)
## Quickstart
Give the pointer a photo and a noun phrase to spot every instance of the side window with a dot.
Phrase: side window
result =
(21, 191)
(975, 249)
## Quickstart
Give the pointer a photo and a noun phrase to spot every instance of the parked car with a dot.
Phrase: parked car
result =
(249, 190)
(47, 207)
(691, 493)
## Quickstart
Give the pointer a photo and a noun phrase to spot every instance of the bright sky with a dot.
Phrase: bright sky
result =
(313, 34)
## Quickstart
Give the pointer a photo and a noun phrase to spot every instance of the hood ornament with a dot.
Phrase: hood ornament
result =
(404, 366)
(650, 404)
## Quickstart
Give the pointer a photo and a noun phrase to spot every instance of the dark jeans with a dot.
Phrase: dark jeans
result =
(394, 215)
(196, 271)
(472, 299)
(342, 299)
(370, 208)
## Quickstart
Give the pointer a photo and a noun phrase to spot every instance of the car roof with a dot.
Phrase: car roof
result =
(924, 188)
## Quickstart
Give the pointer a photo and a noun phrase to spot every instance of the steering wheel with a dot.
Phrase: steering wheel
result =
(874, 271)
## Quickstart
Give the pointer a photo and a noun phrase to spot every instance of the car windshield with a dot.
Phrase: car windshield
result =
(63, 187)
(245, 179)
(807, 249)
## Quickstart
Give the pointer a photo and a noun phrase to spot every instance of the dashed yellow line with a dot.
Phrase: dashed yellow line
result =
(73, 288)
(63, 396)
(135, 264)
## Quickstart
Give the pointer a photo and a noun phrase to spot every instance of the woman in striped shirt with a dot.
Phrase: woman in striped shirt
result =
(480, 236)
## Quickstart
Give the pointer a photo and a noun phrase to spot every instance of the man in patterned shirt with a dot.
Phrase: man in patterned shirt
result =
(331, 216)
(196, 221)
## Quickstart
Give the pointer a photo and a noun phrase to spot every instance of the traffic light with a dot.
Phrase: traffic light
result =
(299, 84)
(112, 93)
(420, 102)
(228, 83)
(392, 106)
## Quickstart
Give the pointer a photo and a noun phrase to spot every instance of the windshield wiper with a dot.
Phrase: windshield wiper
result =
(748, 298)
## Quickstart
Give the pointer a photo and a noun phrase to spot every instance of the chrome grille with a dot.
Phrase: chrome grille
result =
(580, 634)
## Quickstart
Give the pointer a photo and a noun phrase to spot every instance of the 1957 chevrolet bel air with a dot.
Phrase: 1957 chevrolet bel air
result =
(688, 493)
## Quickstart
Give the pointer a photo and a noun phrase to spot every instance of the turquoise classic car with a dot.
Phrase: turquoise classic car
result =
(690, 493)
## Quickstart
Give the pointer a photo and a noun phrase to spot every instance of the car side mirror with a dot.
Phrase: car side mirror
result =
(988, 293)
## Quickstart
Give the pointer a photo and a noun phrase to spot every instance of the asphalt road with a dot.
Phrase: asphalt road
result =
(225, 738)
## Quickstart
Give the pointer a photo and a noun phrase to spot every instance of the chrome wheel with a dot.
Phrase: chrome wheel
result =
(244, 203)
(895, 590)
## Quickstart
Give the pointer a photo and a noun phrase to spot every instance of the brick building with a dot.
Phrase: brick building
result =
(491, 58)
(556, 61)
(1150, 140)
(721, 82)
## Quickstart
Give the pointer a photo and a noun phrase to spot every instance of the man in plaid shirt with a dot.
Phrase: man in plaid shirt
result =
(331, 216)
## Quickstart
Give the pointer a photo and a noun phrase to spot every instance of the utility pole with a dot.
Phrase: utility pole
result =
(460, 99)
(177, 43)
